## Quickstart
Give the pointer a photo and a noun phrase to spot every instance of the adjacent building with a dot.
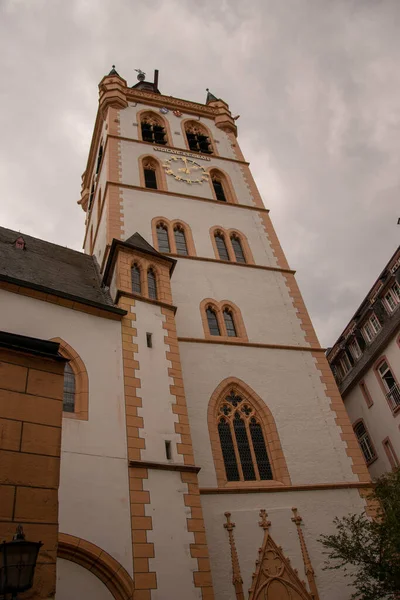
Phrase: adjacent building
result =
(199, 420)
(365, 361)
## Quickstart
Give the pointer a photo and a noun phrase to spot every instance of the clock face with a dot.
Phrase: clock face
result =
(185, 169)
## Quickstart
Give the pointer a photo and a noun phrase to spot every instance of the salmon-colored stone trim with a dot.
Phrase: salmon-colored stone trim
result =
(81, 408)
(170, 225)
(271, 436)
(157, 117)
(160, 173)
(228, 188)
(140, 523)
(390, 453)
(185, 123)
(219, 307)
(98, 562)
(60, 301)
(227, 235)
(342, 420)
(195, 523)
(365, 392)
(115, 215)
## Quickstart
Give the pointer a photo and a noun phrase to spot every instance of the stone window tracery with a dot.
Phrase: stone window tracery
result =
(153, 129)
(172, 237)
(198, 138)
(231, 245)
(242, 439)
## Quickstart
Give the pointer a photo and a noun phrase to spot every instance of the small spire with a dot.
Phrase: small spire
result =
(210, 97)
(113, 72)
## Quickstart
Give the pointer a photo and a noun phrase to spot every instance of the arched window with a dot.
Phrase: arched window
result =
(229, 323)
(150, 174)
(100, 156)
(242, 440)
(197, 138)
(180, 241)
(218, 186)
(69, 389)
(364, 440)
(237, 249)
(135, 278)
(163, 238)
(152, 284)
(212, 321)
(152, 128)
(221, 246)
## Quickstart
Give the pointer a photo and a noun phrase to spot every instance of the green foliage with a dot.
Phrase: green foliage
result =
(369, 550)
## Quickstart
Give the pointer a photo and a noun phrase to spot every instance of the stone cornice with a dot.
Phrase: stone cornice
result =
(244, 344)
(172, 103)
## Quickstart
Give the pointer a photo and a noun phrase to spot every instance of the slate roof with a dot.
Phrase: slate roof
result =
(42, 265)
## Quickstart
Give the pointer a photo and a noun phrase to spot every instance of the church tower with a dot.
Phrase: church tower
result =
(230, 404)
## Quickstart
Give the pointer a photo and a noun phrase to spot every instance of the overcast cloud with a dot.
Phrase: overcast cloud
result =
(317, 85)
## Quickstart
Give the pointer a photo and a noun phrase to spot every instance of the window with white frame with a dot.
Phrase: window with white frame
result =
(371, 328)
(396, 291)
(345, 362)
(390, 385)
(355, 349)
(365, 442)
(392, 298)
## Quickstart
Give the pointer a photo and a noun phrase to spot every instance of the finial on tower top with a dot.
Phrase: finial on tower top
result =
(141, 74)
(210, 97)
(113, 71)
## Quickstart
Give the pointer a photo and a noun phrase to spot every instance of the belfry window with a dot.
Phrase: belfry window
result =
(162, 238)
(242, 440)
(229, 323)
(152, 284)
(198, 139)
(365, 442)
(180, 241)
(212, 321)
(69, 389)
(237, 249)
(150, 178)
(221, 246)
(218, 188)
(153, 130)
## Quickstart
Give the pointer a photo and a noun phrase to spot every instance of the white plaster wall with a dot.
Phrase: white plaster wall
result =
(94, 488)
(77, 583)
(92, 218)
(262, 296)
(290, 386)
(173, 564)
(317, 508)
(141, 207)
(130, 153)
(156, 410)
(379, 419)
(128, 120)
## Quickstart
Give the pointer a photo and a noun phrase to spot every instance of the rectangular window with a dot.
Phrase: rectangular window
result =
(150, 179)
(375, 323)
(149, 340)
(391, 454)
(390, 301)
(367, 396)
(355, 349)
(396, 291)
(168, 452)
(368, 333)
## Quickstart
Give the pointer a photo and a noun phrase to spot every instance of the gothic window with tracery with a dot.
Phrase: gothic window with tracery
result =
(212, 321)
(135, 280)
(152, 284)
(150, 174)
(180, 240)
(163, 238)
(153, 129)
(69, 389)
(238, 249)
(242, 440)
(221, 246)
(198, 139)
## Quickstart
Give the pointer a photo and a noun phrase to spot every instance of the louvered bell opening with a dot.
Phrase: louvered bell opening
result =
(204, 144)
(147, 133)
(159, 135)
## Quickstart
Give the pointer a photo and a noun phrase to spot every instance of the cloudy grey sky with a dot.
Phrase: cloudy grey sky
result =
(317, 85)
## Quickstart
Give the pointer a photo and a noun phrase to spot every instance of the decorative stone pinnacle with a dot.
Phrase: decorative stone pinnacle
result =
(229, 525)
(264, 523)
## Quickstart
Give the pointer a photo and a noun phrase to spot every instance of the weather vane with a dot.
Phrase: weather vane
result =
(141, 74)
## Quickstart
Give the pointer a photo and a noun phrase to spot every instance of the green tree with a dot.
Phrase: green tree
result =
(369, 549)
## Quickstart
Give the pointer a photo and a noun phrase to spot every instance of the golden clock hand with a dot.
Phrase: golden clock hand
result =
(185, 161)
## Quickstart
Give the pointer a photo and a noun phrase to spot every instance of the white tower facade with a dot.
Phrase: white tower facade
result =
(230, 404)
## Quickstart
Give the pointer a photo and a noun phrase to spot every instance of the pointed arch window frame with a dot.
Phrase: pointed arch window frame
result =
(267, 422)
(81, 404)
(187, 123)
(219, 308)
(171, 226)
(142, 114)
(228, 189)
(228, 234)
(159, 173)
